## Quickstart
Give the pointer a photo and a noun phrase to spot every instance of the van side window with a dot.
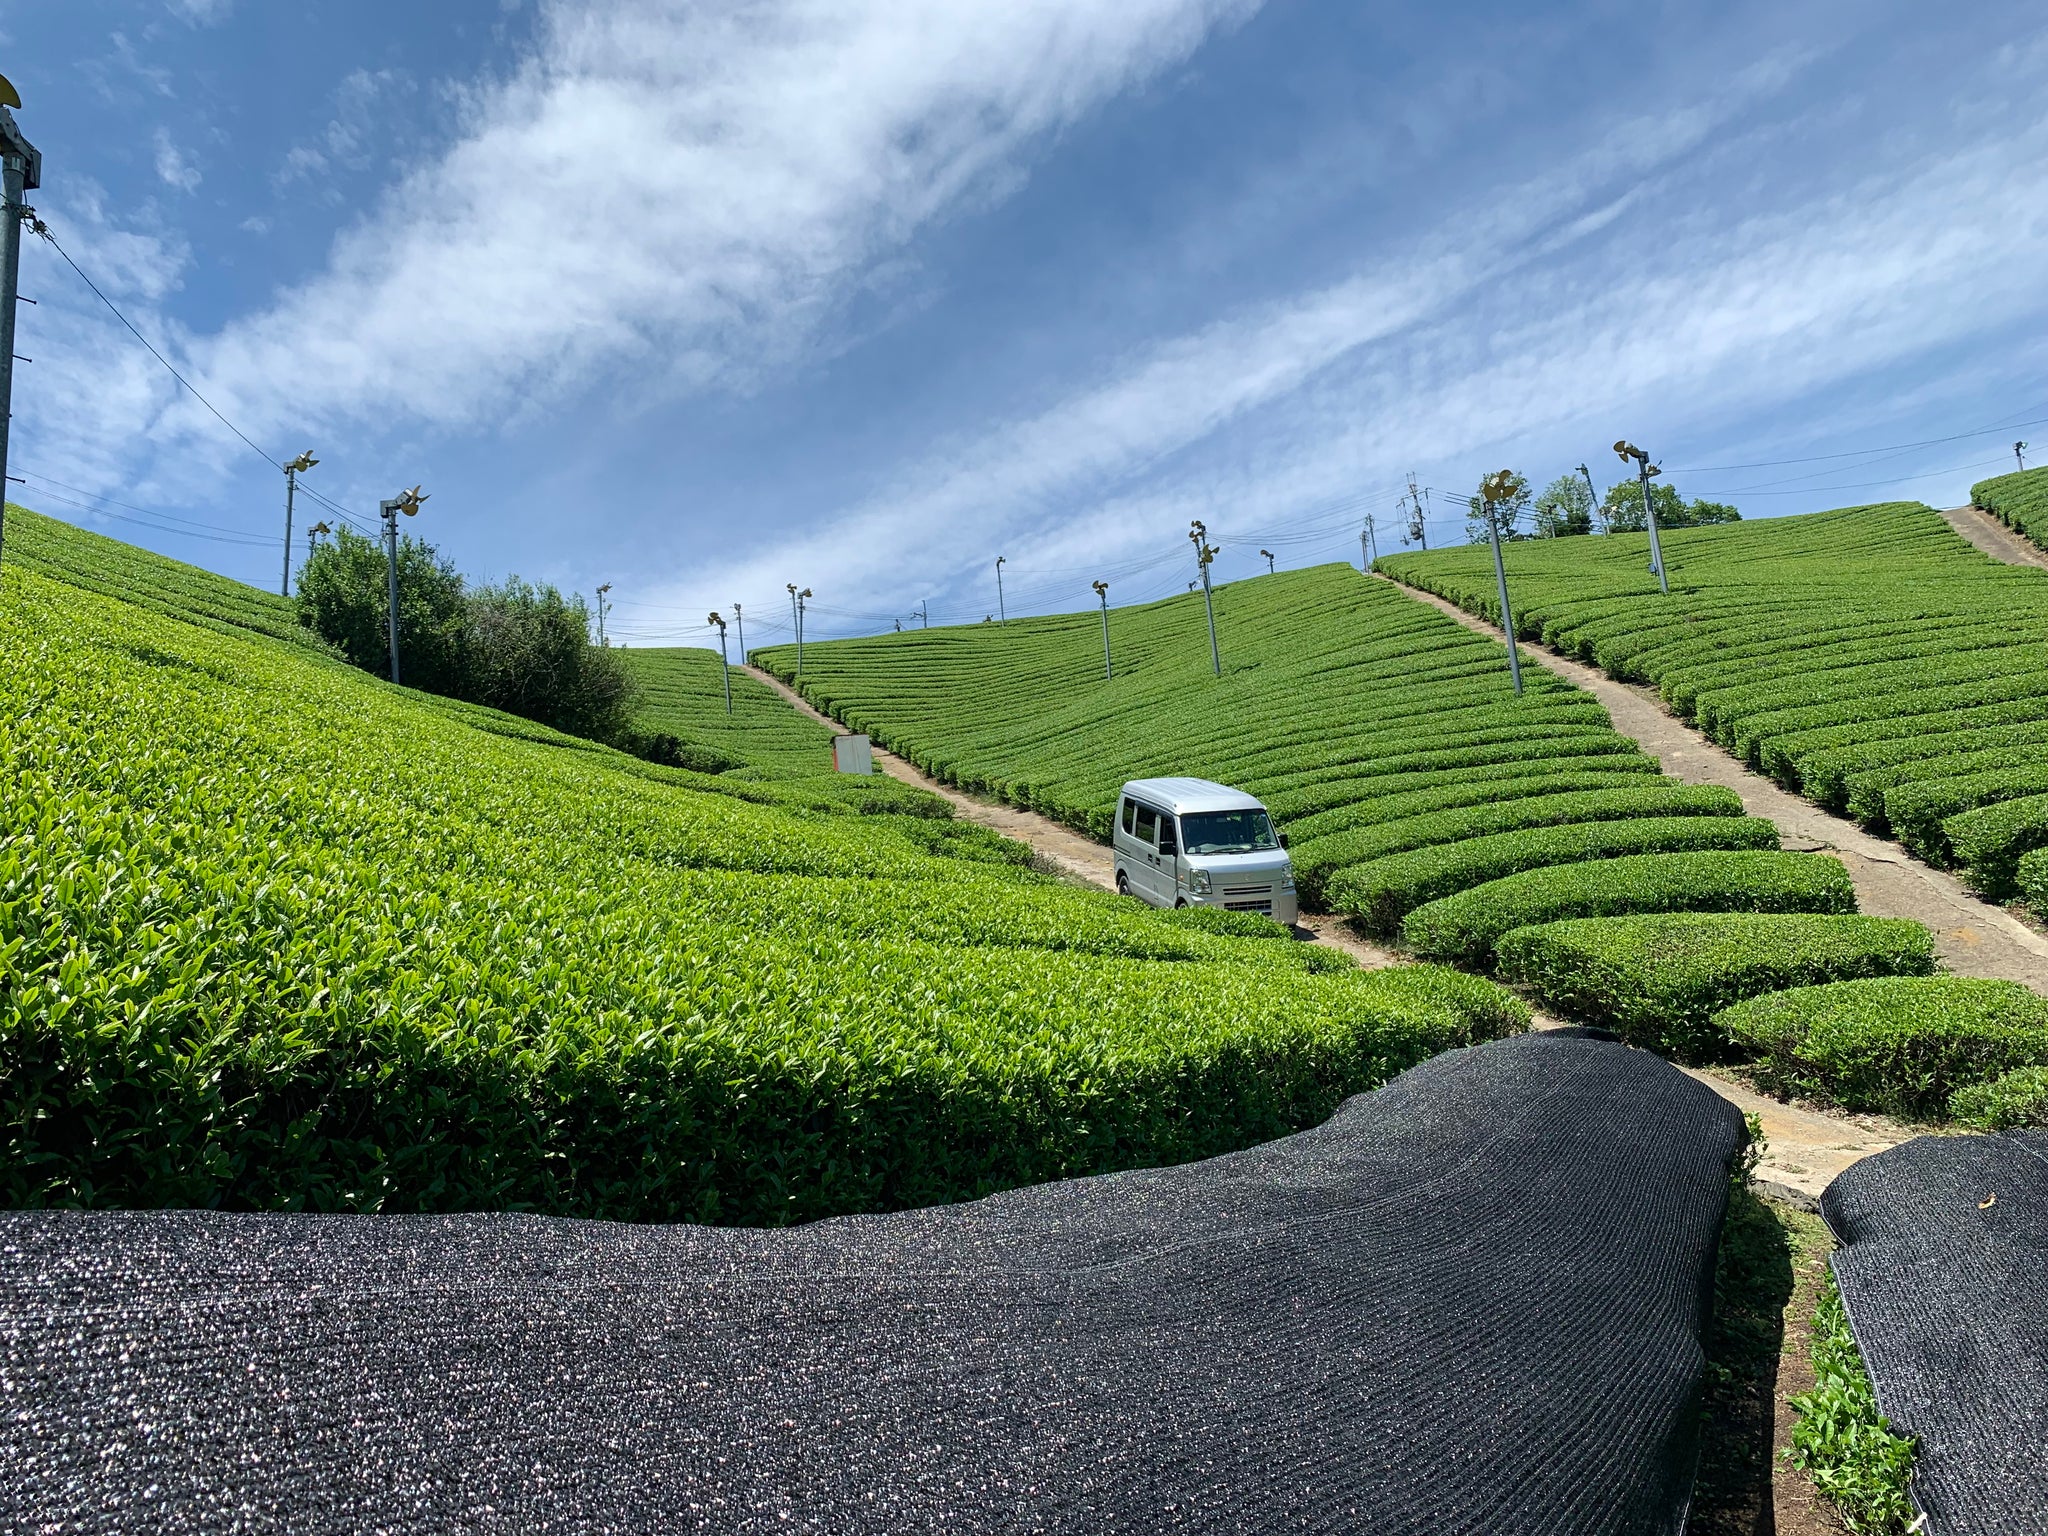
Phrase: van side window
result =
(1147, 829)
(1130, 811)
(1168, 842)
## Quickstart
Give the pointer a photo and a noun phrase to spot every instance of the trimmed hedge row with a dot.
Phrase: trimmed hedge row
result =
(1384, 891)
(1897, 1045)
(1463, 929)
(2032, 874)
(2015, 1102)
(2019, 500)
(1659, 980)
(1316, 860)
(1918, 812)
(1990, 841)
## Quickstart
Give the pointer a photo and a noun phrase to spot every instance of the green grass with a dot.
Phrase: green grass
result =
(1869, 657)
(279, 935)
(1841, 1441)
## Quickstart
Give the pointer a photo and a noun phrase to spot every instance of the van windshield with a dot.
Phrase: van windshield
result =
(1228, 832)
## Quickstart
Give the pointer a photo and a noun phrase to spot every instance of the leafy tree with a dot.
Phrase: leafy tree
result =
(1701, 514)
(1507, 512)
(530, 654)
(343, 598)
(1622, 509)
(1564, 508)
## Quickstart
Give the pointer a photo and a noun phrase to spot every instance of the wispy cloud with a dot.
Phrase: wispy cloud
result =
(1548, 304)
(172, 168)
(202, 13)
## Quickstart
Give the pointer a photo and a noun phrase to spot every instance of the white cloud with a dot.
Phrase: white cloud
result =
(1268, 414)
(172, 168)
(202, 13)
(358, 101)
(686, 188)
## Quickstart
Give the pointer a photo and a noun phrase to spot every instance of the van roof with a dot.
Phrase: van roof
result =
(1183, 795)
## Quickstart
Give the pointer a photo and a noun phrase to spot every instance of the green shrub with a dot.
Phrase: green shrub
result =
(2019, 500)
(2017, 1101)
(1315, 861)
(1841, 1441)
(1659, 980)
(1462, 929)
(2032, 875)
(1242, 925)
(1384, 891)
(1899, 1045)
(1990, 841)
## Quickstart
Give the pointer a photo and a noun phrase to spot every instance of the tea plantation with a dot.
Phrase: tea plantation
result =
(278, 935)
(2020, 501)
(1869, 658)
(680, 693)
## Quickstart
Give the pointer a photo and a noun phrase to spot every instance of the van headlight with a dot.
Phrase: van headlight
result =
(1200, 880)
(1286, 881)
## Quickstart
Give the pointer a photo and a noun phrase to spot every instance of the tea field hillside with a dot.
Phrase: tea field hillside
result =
(2020, 501)
(1869, 658)
(681, 694)
(279, 935)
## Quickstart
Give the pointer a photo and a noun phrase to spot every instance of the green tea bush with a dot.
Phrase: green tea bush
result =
(1898, 1045)
(2017, 1101)
(1462, 929)
(2031, 874)
(1917, 812)
(279, 936)
(1825, 649)
(1990, 841)
(1383, 892)
(678, 691)
(1659, 980)
(1315, 860)
(2019, 500)
(1841, 1441)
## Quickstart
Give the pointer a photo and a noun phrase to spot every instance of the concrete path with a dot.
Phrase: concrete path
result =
(1985, 531)
(1972, 937)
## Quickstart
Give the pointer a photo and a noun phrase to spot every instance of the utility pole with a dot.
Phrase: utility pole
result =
(1595, 512)
(1102, 591)
(1269, 560)
(1002, 615)
(292, 471)
(2019, 451)
(313, 537)
(603, 608)
(800, 598)
(1627, 451)
(724, 666)
(21, 170)
(407, 502)
(740, 621)
(1494, 488)
(924, 611)
(1204, 554)
(1418, 524)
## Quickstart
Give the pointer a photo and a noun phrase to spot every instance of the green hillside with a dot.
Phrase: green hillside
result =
(1868, 657)
(680, 693)
(277, 934)
(1384, 736)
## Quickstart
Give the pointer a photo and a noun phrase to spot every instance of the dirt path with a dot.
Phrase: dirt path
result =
(1985, 531)
(1972, 937)
(1079, 856)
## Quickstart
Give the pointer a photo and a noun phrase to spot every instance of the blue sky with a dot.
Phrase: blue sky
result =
(699, 299)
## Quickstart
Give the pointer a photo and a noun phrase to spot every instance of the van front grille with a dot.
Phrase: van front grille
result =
(1249, 906)
(1248, 890)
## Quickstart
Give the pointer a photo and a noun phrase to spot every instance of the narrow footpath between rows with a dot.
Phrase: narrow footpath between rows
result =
(1994, 538)
(1972, 937)
(1805, 1149)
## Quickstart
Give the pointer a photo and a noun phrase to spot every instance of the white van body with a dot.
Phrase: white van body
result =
(1191, 843)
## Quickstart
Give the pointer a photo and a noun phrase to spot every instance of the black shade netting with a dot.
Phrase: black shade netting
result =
(1470, 1302)
(1944, 1272)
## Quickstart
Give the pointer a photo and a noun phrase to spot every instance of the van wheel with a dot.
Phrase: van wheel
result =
(1181, 903)
(1123, 883)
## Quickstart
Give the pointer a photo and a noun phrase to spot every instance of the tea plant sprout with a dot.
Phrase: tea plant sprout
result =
(724, 664)
(1205, 554)
(1502, 485)
(1628, 452)
(407, 502)
(1102, 592)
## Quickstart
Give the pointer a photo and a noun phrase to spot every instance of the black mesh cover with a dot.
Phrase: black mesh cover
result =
(1470, 1302)
(1944, 1271)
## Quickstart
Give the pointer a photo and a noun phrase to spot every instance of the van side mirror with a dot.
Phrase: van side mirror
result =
(1283, 838)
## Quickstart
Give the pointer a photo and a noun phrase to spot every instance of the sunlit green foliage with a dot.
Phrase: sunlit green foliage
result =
(2020, 501)
(1845, 1445)
(679, 691)
(279, 935)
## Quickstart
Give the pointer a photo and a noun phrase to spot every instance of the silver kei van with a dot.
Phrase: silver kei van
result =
(1191, 843)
